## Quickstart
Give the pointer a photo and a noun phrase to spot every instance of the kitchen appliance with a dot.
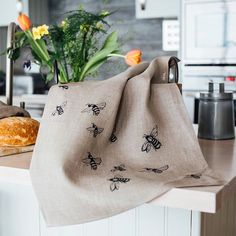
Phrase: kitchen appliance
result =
(208, 48)
(216, 114)
(209, 32)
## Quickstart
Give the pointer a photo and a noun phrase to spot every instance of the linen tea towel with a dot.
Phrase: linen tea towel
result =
(108, 146)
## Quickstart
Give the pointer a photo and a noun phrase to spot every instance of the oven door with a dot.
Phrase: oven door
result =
(209, 35)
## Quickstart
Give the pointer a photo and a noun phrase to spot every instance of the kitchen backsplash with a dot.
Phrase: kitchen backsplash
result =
(144, 34)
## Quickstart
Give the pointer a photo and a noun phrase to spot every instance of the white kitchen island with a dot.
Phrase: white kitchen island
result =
(198, 211)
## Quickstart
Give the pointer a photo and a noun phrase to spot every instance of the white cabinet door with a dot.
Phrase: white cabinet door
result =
(9, 11)
(196, 223)
(151, 220)
(72, 230)
(19, 212)
(209, 32)
(20, 216)
(178, 222)
(157, 8)
(123, 224)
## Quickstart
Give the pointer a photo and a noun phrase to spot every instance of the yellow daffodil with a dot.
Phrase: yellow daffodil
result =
(63, 23)
(99, 26)
(84, 28)
(104, 13)
(40, 31)
(43, 30)
(36, 33)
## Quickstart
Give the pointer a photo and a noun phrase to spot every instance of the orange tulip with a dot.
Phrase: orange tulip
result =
(24, 22)
(133, 57)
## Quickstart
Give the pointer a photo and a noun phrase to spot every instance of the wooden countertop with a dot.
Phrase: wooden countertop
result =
(220, 155)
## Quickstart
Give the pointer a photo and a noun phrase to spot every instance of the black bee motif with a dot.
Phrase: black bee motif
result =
(94, 162)
(121, 167)
(63, 87)
(156, 170)
(27, 65)
(195, 176)
(151, 141)
(116, 181)
(113, 138)
(95, 130)
(59, 109)
(94, 108)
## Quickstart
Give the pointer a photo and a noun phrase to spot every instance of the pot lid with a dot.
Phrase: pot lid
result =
(216, 95)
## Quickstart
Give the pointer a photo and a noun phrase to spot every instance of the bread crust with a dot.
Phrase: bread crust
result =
(18, 131)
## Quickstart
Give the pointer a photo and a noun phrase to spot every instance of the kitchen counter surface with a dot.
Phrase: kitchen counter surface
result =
(220, 155)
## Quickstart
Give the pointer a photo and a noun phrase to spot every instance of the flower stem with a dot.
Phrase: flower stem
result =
(37, 47)
(115, 55)
(62, 76)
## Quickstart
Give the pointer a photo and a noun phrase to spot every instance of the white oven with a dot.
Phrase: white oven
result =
(208, 32)
(208, 47)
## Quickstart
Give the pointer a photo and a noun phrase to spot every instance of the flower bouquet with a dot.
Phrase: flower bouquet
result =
(71, 49)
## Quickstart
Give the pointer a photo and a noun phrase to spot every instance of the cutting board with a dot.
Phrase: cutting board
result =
(6, 151)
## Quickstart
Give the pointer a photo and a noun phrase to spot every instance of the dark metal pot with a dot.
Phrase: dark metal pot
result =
(216, 114)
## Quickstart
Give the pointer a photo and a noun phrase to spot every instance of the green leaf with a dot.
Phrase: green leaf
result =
(35, 49)
(94, 68)
(110, 45)
(19, 34)
(36, 57)
(15, 54)
(43, 46)
(19, 42)
(38, 47)
(49, 77)
(111, 41)
(5, 51)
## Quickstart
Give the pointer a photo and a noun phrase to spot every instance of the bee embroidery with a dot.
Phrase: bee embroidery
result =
(59, 109)
(63, 87)
(95, 130)
(94, 162)
(121, 167)
(95, 108)
(156, 170)
(195, 176)
(116, 181)
(113, 138)
(151, 141)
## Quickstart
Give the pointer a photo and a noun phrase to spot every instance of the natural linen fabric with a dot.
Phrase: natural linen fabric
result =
(92, 162)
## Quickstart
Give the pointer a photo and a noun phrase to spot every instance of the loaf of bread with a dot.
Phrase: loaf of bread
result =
(18, 131)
